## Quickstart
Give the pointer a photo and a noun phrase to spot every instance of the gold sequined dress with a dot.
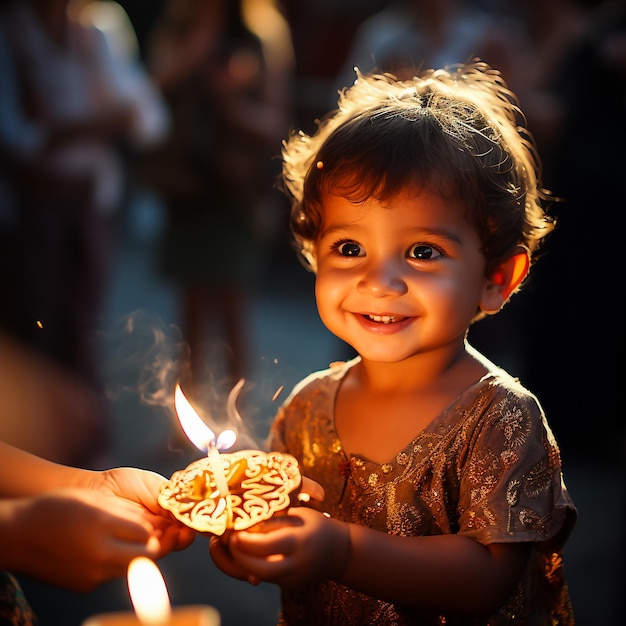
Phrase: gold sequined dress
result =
(487, 467)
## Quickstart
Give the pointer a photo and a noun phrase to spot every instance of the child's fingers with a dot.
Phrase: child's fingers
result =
(312, 489)
(223, 559)
(263, 545)
(274, 567)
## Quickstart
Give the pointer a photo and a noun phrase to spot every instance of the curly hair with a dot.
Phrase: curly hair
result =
(458, 131)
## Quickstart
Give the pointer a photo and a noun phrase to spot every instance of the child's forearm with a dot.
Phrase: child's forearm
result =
(24, 474)
(433, 572)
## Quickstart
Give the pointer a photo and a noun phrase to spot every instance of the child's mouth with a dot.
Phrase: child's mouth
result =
(384, 319)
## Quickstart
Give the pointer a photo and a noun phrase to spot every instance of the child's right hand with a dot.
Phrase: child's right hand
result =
(219, 547)
(299, 549)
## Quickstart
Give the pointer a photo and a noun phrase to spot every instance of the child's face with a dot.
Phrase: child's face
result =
(398, 278)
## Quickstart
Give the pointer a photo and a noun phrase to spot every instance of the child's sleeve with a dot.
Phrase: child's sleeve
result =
(512, 487)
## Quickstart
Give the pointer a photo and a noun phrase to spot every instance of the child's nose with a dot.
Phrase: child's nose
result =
(384, 278)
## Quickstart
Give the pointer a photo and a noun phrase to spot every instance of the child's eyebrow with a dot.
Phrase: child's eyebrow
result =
(336, 229)
(439, 233)
(417, 232)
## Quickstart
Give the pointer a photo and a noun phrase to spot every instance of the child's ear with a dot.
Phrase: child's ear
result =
(505, 280)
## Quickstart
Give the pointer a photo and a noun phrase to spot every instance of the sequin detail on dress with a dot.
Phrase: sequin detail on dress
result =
(487, 468)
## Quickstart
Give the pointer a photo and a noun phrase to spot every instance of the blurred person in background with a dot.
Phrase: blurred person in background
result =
(552, 29)
(75, 102)
(322, 33)
(407, 36)
(225, 69)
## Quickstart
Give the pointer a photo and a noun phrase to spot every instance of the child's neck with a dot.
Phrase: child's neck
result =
(382, 407)
(420, 374)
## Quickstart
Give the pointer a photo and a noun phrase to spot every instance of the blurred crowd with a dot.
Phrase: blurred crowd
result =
(188, 100)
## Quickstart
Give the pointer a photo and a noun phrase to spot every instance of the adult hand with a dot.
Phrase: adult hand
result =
(76, 538)
(142, 488)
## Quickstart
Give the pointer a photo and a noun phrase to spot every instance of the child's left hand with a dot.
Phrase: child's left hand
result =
(297, 549)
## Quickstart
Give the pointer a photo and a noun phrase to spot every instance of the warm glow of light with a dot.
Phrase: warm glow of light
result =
(148, 592)
(203, 437)
(196, 430)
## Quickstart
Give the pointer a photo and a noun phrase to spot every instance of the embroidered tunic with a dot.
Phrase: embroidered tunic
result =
(487, 467)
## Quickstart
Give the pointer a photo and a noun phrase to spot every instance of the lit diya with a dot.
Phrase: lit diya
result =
(227, 491)
(260, 485)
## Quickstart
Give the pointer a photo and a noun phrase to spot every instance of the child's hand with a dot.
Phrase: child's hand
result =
(219, 546)
(220, 553)
(297, 549)
(312, 490)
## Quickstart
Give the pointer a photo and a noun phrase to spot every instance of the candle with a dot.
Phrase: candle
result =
(203, 438)
(199, 495)
(218, 470)
(150, 600)
(192, 615)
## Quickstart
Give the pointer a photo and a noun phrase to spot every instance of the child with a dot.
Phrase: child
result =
(418, 205)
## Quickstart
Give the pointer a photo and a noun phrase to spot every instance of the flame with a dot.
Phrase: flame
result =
(196, 430)
(226, 439)
(148, 592)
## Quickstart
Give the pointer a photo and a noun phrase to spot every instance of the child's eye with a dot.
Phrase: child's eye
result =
(423, 252)
(348, 248)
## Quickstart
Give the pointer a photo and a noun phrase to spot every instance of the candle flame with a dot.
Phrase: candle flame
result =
(148, 592)
(196, 430)
(226, 439)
